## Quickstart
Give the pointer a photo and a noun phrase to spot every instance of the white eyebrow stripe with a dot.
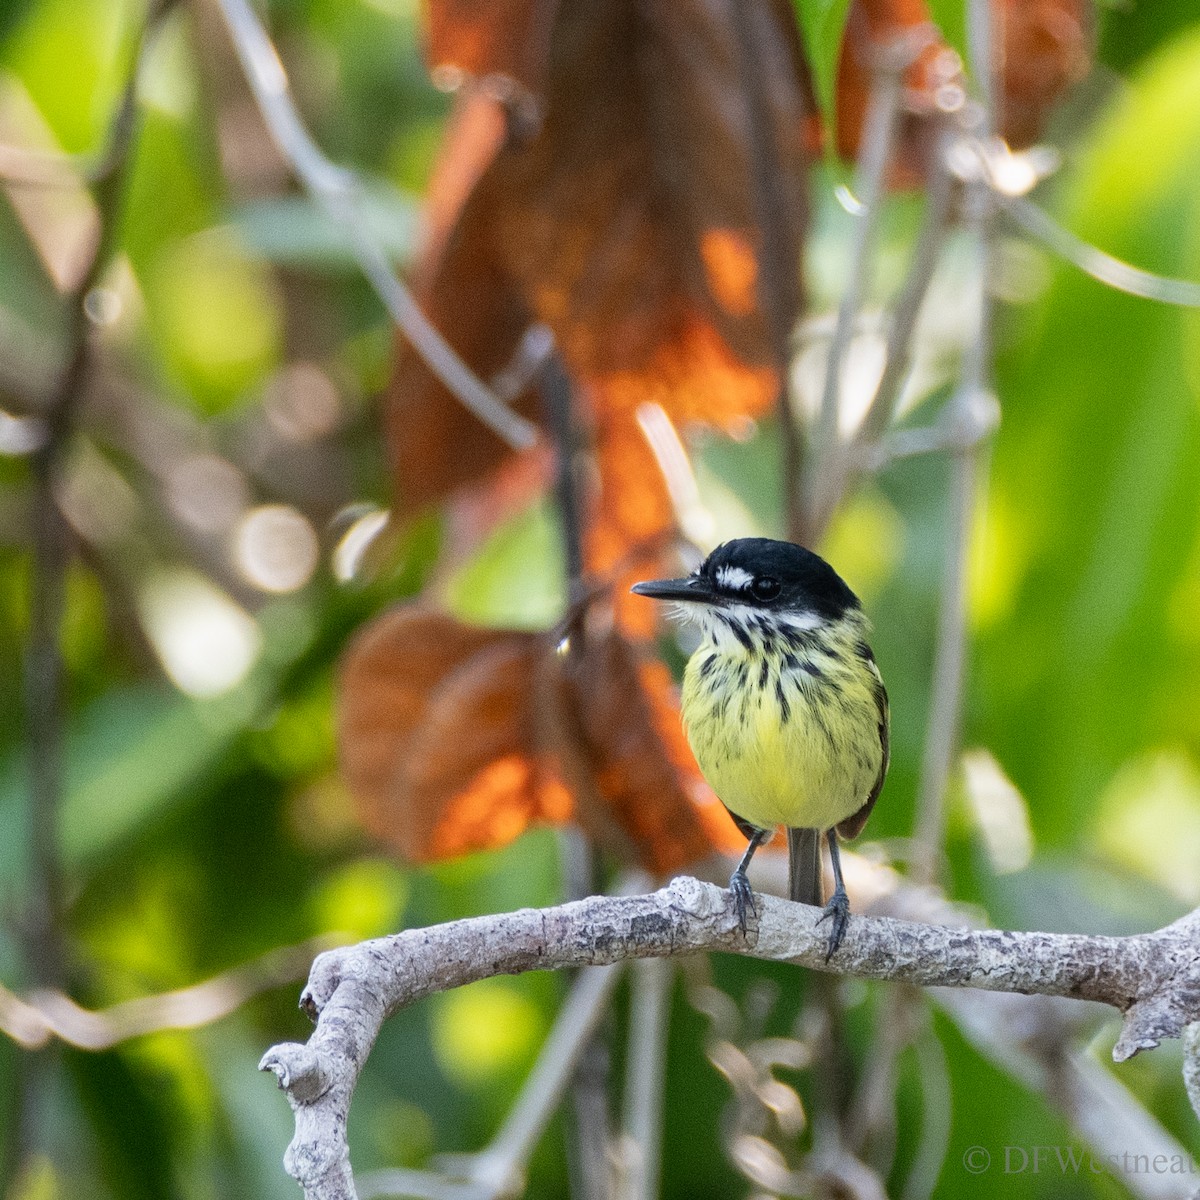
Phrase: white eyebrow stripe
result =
(734, 578)
(801, 621)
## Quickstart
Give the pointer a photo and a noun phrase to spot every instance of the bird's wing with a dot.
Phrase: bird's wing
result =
(852, 826)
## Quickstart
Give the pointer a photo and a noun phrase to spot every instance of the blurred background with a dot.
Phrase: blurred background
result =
(194, 490)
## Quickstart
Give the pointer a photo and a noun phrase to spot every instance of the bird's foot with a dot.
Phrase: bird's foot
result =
(743, 897)
(837, 911)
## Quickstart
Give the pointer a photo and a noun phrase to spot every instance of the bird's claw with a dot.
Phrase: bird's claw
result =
(838, 911)
(743, 897)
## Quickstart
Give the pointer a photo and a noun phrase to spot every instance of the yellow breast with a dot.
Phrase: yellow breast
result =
(788, 736)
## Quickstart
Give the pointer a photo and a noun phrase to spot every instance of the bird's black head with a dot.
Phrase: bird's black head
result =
(764, 574)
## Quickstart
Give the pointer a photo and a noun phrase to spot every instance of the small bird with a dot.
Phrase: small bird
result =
(784, 706)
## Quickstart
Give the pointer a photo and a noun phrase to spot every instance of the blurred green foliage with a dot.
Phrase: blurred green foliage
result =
(199, 831)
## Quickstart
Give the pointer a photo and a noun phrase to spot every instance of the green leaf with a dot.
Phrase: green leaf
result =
(516, 580)
(294, 231)
(823, 24)
(1091, 660)
(134, 753)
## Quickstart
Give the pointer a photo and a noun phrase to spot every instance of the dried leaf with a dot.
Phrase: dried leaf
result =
(436, 446)
(872, 27)
(387, 674)
(471, 777)
(437, 733)
(490, 37)
(651, 801)
(456, 739)
(653, 221)
(1042, 46)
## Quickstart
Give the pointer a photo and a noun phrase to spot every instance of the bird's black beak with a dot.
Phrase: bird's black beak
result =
(690, 590)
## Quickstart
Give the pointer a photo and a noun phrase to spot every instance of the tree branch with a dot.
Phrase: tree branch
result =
(824, 475)
(1154, 979)
(1102, 267)
(336, 190)
(45, 1014)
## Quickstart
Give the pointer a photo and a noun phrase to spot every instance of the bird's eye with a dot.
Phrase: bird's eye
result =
(765, 588)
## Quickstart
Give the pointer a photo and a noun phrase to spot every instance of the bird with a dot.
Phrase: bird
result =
(784, 707)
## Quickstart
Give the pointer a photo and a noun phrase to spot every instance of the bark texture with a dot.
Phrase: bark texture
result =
(1153, 979)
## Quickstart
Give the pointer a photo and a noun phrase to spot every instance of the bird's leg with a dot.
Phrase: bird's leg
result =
(838, 908)
(739, 884)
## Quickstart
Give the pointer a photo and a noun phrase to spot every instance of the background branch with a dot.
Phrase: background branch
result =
(335, 189)
(970, 397)
(823, 470)
(44, 1015)
(1091, 260)
(1191, 1065)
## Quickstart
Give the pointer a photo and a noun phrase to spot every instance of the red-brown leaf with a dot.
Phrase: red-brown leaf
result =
(626, 734)
(456, 739)
(653, 221)
(491, 37)
(1046, 46)
(437, 733)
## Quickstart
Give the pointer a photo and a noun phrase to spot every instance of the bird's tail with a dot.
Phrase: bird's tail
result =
(804, 865)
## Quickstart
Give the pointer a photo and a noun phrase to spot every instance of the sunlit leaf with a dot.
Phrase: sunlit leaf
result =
(456, 739)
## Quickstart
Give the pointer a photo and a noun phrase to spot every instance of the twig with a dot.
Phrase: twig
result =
(961, 428)
(1154, 979)
(1102, 267)
(1024, 1036)
(51, 544)
(502, 1164)
(641, 1148)
(696, 523)
(558, 407)
(775, 192)
(936, 1108)
(872, 1113)
(22, 167)
(589, 1142)
(972, 396)
(51, 539)
(336, 189)
(1030, 1038)
(48, 1014)
(908, 306)
(879, 130)
(949, 661)
(499, 1170)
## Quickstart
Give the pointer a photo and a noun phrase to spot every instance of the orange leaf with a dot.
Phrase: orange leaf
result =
(456, 739)
(436, 734)
(471, 778)
(653, 220)
(652, 801)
